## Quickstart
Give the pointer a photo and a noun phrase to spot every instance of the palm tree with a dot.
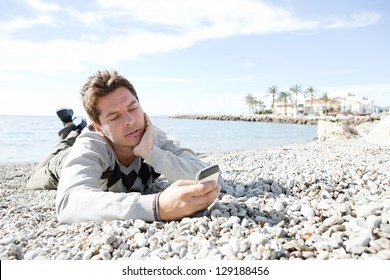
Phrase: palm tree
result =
(325, 98)
(273, 91)
(250, 100)
(261, 105)
(284, 96)
(311, 91)
(296, 89)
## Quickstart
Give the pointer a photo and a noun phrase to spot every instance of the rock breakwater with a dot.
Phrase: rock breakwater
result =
(347, 120)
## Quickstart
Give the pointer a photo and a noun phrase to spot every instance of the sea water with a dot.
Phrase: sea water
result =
(27, 139)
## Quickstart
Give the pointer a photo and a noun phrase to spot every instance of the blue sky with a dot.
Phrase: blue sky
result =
(191, 56)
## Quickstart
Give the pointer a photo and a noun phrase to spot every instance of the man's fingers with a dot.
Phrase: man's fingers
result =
(199, 194)
(147, 120)
(203, 201)
(204, 188)
(182, 183)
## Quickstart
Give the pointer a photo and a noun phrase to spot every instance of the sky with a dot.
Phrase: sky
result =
(195, 56)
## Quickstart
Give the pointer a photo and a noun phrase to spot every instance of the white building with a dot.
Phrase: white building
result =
(357, 105)
(338, 103)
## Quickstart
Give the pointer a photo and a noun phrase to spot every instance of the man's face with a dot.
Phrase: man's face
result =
(122, 120)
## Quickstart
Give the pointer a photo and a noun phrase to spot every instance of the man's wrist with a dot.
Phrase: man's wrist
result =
(142, 152)
(146, 152)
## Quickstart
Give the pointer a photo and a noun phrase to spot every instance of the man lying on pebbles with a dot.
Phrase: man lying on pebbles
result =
(100, 171)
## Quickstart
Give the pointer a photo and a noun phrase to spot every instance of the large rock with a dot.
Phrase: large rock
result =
(380, 133)
(333, 131)
(364, 128)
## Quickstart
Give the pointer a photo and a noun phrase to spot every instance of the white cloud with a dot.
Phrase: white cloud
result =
(204, 20)
(180, 24)
(42, 6)
(89, 18)
(19, 23)
(73, 56)
(40, 57)
(355, 21)
(10, 76)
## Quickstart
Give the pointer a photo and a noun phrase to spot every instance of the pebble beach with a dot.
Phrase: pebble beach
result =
(320, 200)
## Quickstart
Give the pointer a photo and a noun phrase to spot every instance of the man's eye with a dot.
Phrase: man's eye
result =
(114, 119)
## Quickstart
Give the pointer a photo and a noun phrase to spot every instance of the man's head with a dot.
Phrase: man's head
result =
(112, 104)
(100, 85)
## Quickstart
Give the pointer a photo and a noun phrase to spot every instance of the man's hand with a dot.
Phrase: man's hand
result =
(183, 199)
(146, 144)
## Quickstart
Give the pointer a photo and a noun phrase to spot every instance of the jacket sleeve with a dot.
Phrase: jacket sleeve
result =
(172, 160)
(79, 197)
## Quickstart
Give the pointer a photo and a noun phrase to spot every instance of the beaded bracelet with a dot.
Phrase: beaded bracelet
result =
(156, 213)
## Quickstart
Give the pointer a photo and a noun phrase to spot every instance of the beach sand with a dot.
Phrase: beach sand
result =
(328, 200)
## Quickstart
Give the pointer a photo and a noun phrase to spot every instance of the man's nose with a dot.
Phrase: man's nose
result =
(129, 119)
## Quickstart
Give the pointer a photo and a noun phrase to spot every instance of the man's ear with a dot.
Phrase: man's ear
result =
(98, 128)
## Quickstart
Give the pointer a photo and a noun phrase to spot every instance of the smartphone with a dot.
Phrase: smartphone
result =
(207, 174)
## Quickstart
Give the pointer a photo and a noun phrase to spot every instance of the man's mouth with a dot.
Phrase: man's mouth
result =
(133, 133)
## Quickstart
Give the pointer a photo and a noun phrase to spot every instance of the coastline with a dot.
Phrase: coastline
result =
(321, 200)
(311, 120)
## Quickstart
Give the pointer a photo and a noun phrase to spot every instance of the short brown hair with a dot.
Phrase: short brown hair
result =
(101, 84)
